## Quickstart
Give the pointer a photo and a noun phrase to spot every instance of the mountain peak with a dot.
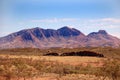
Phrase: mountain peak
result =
(67, 31)
(66, 27)
(37, 28)
(102, 32)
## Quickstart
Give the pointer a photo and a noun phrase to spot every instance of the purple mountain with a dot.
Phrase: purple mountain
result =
(64, 37)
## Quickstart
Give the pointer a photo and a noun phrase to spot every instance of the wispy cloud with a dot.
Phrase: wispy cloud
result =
(112, 20)
(4, 33)
(117, 34)
(55, 20)
(106, 22)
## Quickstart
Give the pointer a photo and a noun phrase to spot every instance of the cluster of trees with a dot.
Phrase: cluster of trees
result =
(80, 53)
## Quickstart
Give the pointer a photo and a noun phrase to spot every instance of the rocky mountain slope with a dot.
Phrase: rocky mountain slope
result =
(64, 37)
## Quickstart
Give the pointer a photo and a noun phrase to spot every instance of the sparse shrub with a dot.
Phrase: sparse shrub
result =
(110, 69)
(7, 71)
(29, 68)
(23, 69)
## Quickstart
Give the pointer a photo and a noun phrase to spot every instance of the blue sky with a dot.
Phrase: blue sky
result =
(85, 15)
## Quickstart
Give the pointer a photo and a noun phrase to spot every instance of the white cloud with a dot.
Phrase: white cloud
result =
(106, 22)
(117, 34)
(4, 33)
(112, 20)
(55, 20)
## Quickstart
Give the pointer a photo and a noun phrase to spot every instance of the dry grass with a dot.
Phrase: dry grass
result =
(72, 60)
(58, 67)
(66, 77)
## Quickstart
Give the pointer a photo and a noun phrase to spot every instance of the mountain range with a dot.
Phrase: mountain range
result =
(64, 37)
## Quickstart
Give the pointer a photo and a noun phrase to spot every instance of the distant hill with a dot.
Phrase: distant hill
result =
(64, 37)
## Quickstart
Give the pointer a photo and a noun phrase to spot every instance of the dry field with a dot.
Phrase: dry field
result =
(72, 60)
(14, 66)
(66, 77)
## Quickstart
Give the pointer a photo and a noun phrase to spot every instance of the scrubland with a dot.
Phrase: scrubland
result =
(30, 64)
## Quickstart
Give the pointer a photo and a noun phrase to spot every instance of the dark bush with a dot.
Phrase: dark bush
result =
(51, 54)
(83, 53)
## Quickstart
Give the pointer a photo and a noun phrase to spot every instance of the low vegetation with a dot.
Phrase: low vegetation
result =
(34, 66)
(108, 52)
(110, 69)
